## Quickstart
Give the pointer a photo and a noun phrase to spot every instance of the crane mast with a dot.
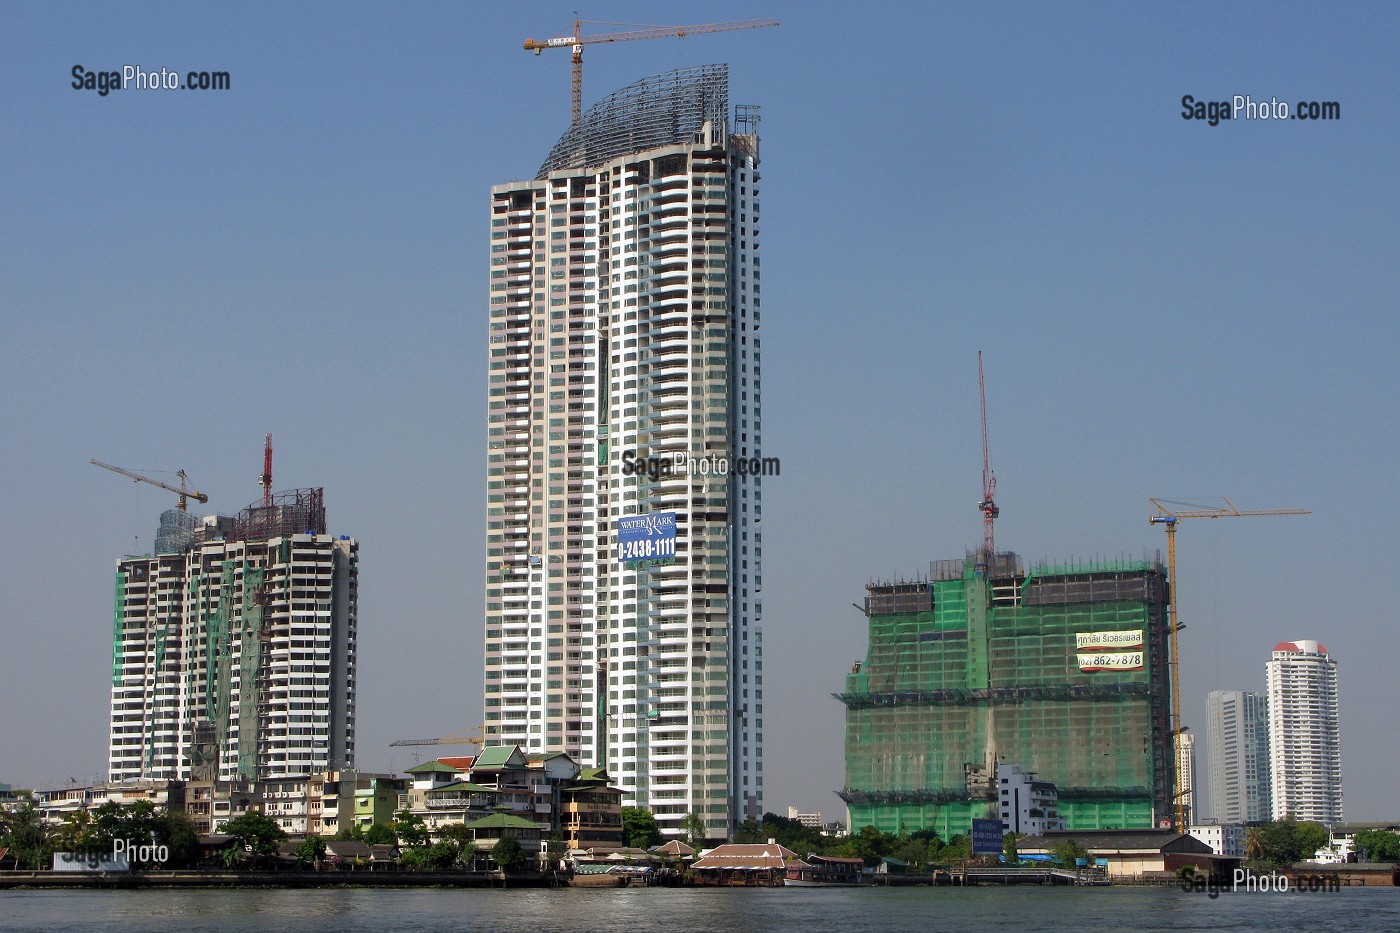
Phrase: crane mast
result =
(988, 505)
(578, 40)
(1168, 516)
(266, 479)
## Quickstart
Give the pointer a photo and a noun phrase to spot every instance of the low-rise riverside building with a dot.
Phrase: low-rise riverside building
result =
(739, 864)
(1134, 853)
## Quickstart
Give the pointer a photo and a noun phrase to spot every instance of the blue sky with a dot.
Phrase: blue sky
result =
(1167, 309)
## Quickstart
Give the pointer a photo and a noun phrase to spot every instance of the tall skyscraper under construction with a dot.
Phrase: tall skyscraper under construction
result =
(1060, 669)
(622, 586)
(234, 647)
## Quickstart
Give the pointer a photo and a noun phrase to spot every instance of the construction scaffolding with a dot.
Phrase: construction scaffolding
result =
(965, 672)
(177, 531)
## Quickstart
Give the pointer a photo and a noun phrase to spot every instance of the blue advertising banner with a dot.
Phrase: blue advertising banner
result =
(986, 837)
(646, 539)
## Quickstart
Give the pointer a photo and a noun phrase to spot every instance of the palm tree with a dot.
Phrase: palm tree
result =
(1254, 843)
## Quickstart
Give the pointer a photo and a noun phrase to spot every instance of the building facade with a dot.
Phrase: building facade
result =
(1237, 739)
(1305, 755)
(1223, 838)
(1025, 805)
(234, 653)
(624, 318)
(1062, 669)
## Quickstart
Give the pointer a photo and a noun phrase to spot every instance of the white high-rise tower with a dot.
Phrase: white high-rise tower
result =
(1304, 734)
(624, 322)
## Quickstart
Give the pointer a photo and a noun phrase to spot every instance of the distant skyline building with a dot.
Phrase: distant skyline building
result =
(1186, 772)
(1237, 743)
(624, 318)
(234, 647)
(1305, 754)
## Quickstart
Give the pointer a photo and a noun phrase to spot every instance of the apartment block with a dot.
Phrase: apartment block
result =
(1305, 756)
(234, 652)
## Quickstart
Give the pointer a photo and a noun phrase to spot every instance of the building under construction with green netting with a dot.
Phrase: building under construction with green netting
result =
(1060, 669)
(234, 646)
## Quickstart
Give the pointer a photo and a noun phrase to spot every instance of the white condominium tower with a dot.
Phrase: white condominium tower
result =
(1237, 738)
(233, 647)
(624, 323)
(1304, 735)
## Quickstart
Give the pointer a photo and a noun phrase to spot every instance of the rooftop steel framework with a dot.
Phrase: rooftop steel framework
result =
(294, 512)
(661, 110)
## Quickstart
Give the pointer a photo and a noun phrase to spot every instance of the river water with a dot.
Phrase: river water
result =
(680, 910)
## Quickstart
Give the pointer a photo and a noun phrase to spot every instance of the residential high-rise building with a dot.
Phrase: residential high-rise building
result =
(234, 651)
(1060, 669)
(1237, 742)
(1305, 754)
(1186, 772)
(622, 585)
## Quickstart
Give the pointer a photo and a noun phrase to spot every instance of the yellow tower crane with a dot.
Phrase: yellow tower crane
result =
(1168, 513)
(578, 40)
(183, 491)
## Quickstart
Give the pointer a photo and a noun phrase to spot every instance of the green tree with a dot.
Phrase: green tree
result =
(380, 834)
(1378, 845)
(462, 841)
(1286, 841)
(791, 833)
(138, 824)
(913, 851)
(180, 835)
(1254, 844)
(410, 828)
(257, 833)
(958, 849)
(1008, 848)
(869, 844)
(234, 856)
(23, 832)
(1069, 851)
(745, 832)
(639, 828)
(439, 856)
(507, 854)
(310, 851)
(76, 835)
(693, 829)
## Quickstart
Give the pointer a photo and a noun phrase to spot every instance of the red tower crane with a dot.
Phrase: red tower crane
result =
(988, 505)
(266, 479)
